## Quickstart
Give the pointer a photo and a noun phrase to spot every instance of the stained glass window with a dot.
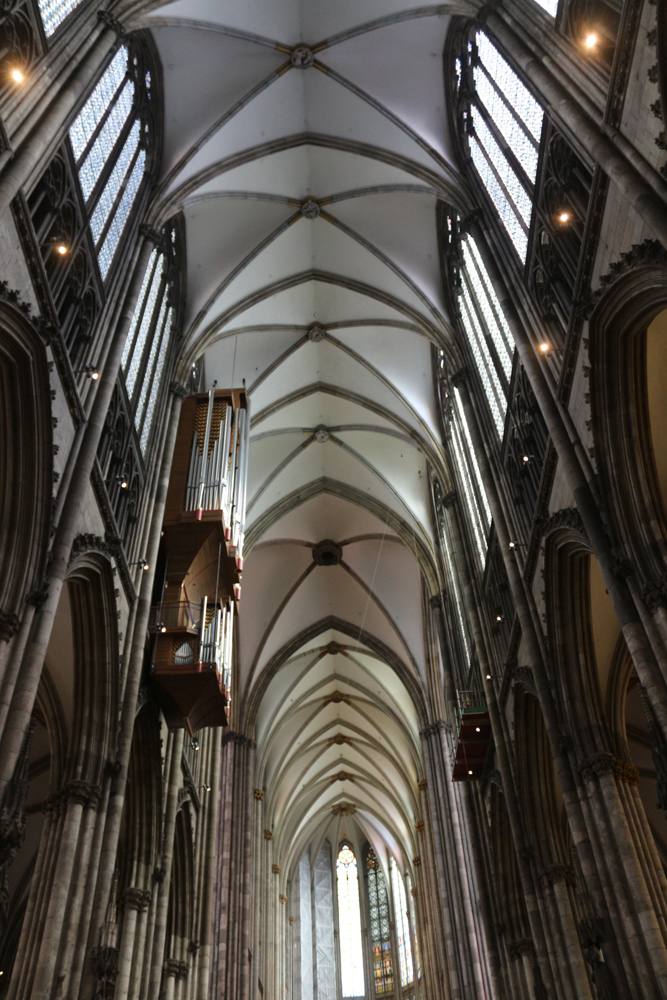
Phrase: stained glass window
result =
(383, 969)
(54, 12)
(107, 139)
(402, 924)
(349, 924)
(413, 924)
(156, 381)
(504, 143)
(471, 479)
(456, 593)
(551, 6)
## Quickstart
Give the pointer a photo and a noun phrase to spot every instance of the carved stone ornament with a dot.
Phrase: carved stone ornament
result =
(327, 553)
(105, 964)
(12, 298)
(524, 946)
(459, 377)
(343, 809)
(341, 776)
(310, 209)
(606, 763)
(275, 869)
(112, 22)
(417, 861)
(422, 785)
(558, 873)
(302, 57)
(567, 517)
(136, 899)
(178, 390)
(336, 698)
(282, 898)
(655, 593)
(650, 253)
(322, 435)
(316, 333)
(179, 970)
(268, 835)
(419, 825)
(338, 740)
(259, 794)
(449, 499)
(9, 625)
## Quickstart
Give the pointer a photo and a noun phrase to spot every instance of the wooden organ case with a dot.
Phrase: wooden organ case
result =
(203, 538)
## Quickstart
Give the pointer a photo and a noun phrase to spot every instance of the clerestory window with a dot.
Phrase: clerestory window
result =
(502, 123)
(401, 920)
(383, 966)
(349, 924)
(109, 140)
(54, 12)
(149, 336)
(550, 6)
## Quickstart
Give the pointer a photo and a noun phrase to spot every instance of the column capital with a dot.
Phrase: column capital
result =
(460, 376)
(450, 498)
(471, 221)
(178, 390)
(112, 22)
(558, 873)
(173, 967)
(136, 899)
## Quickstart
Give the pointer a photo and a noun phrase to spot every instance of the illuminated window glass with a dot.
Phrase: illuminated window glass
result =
(504, 104)
(413, 924)
(456, 593)
(349, 924)
(130, 343)
(92, 166)
(150, 366)
(157, 381)
(402, 924)
(473, 488)
(483, 360)
(551, 6)
(487, 302)
(112, 188)
(115, 231)
(383, 968)
(146, 323)
(54, 12)
(94, 109)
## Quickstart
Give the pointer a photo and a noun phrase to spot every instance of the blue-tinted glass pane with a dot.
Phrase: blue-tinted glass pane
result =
(93, 110)
(54, 12)
(483, 361)
(155, 390)
(136, 315)
(113, 185)
(92, 166)
(150, 366)
(112, 239)
(506, 210)
(551, 6)
(511, 86)
(514, 135)
(131, 375)
(489, 306)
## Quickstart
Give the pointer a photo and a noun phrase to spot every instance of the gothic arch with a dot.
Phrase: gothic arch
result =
(624, 450)
(25, 459)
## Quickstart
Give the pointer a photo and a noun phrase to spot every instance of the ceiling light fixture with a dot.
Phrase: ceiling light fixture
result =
(61, 249)
(18, 77)
(591, 40)
(564, 217)
(545, 348)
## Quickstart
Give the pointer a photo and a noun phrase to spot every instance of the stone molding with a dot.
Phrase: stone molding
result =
(275, 869)
(523, 946)
(567, 517)
(173, 967)
(178, 390)
(259, 794)
(82, 793)
(607, 763)
(9, 625)
(136, 899)
(417, 861)
(283, 898)
(650, 253)
(558, 873)
(268, 835)
(655, 593)
(460, 377)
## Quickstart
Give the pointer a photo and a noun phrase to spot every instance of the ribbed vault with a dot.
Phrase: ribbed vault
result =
(307, 145)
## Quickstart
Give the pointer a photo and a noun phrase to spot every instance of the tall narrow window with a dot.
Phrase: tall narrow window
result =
(413, 924)
(349, 924)
(149, 336)
(383, 967)
(109, 140)
(402, 924)
(550, 6)
(471, 479)
(54, 12)
(503, 126)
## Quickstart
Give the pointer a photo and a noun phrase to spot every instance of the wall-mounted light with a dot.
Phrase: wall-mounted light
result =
(545, 347)
(207, 788)
(527, 459)
(564, 217)
(18, 77)
(478, 729)
(591, 40)
(89, 370)
(194, 743)
(61, 249)
(143, 563)
(513, 544)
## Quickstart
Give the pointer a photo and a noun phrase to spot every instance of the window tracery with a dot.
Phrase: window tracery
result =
(54, 12)
(502, 123)
(383, 969)
(402, 924)
(109, 140)
(349, 923)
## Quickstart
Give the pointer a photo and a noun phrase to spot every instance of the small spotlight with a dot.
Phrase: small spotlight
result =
(527, 459)
(564, 217)
(194, 743)
(469, 772)
(545, 348)
(163, 628)
(591, 40)
(18, 77)
(95, 375)
(123, 484)
(488, 677)
(512, 545)
(499, 616)
(61, 249)
(144, 565)
(207, 788)
(477, 729)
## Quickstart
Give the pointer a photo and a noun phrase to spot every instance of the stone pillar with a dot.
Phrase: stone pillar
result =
(208, 862)
(135, 901)
(22, 680)
(233, 902)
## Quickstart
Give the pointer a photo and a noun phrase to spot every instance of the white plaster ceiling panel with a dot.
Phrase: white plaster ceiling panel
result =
(309, 171)
(220, 234)
(400, 66)
(246, 355)
(341, 519)
(205, 73)
(268, 454)
(323, 409)
(279, 20)
(403, 226)
(331, 591)
(390, 350)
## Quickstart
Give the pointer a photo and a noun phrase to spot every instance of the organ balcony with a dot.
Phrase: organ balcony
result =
(203, 533)
(474, 736)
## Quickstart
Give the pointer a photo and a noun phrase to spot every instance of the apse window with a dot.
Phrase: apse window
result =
(349, 924)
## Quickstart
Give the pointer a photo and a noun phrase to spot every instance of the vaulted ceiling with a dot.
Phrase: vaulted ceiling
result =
(307, 145)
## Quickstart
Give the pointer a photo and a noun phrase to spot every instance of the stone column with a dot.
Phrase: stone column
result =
(169, 827)
(22, 680)
(135, 901)
(208, 862)
(233, 900)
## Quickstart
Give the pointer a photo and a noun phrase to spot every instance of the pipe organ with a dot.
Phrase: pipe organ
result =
(203, 529)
